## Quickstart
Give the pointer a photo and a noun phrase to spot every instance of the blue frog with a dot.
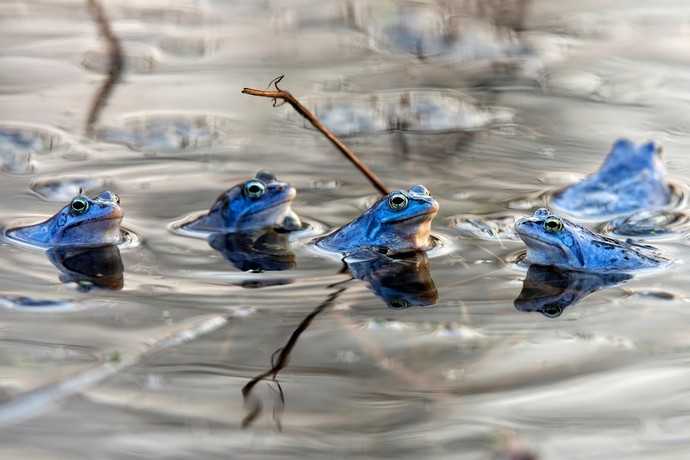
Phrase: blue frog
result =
(397, 223)
(631, 179)
(261, 202)
(83, 222)
(554, 241)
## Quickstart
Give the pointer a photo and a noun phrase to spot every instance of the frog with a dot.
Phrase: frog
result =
(83, 222)
(262, 202)
(631, 179)
(550, 290)
(555, 241)
(397, 223)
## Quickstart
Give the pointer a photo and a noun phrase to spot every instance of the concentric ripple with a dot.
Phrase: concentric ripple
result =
(650, 225)
(493, 228)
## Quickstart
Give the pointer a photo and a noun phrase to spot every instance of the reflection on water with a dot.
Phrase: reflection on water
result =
(420, 111)
(491, 104)
(401, 282)
(168, 132)
(19, 144)
(550, 290)
(89, 267)
(260, 251)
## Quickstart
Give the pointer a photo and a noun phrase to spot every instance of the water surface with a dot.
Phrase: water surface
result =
(109, 371)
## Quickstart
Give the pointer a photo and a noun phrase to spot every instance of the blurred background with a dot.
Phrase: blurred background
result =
(142, 351)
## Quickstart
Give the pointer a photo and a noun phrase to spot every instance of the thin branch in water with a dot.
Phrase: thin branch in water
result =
(116, 63)
(279, 360)
(287, 97)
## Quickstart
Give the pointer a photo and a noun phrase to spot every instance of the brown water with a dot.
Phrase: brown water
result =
(155, 369)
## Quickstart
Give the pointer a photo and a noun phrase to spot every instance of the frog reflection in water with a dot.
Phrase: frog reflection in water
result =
(549, 290)
(89, 267)
(397, 223)
(82, 222)
(260, 203)
(557, 242)
(402, 281)
(631, 179)
(258, 251)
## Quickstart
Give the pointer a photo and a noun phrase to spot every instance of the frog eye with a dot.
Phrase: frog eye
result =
(254, 189)
(397, 201)
(79, 205)
(553, 224)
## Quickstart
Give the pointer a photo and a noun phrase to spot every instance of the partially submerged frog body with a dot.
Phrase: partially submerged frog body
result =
(397, 223)
(630, 179)
(557, 242)
(83, 222)
(262, 202)
(549, 290)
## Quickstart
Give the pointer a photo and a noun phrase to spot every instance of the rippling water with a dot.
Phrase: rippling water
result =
(150, 361)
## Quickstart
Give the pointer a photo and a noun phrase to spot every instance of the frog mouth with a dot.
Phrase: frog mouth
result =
(538, 244)
(115, 215)
(419, 218)
(277, 204)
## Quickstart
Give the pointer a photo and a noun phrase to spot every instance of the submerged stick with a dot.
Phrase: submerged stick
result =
(286, 96)
(116, 63)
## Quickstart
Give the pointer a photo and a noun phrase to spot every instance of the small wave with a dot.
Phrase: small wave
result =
(169, 132)
(491, 228)
(63, 189)
(20, 143)
(23, 303)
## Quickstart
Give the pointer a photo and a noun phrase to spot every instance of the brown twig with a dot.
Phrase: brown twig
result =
(116, 63)
(286, 96)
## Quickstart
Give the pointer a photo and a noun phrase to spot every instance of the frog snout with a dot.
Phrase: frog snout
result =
(524, 224)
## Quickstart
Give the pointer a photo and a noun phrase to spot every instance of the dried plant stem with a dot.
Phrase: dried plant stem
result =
(116, 63)
(286, 96)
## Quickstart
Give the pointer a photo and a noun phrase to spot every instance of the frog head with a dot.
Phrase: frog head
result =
(83, 221)
(398, 222)
(261, 202)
